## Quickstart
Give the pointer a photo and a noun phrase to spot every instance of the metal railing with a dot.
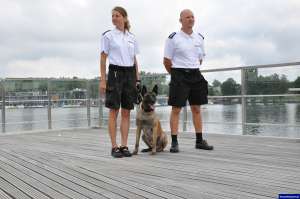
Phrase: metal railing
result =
(88, 98)
(49, 101)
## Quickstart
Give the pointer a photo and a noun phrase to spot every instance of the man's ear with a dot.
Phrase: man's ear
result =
(144, 90)
(155, 89)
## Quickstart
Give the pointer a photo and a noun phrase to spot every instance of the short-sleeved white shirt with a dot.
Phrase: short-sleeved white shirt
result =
(121, 47)
(185, 50)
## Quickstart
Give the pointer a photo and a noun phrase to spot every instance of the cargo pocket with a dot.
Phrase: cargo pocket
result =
(112, 99)
(204, 87)
(174, 89)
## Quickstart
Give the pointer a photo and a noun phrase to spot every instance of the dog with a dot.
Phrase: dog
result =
(148, 122)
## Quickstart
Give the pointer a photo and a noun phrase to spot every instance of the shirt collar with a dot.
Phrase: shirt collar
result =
(187, 35)
(120, 32)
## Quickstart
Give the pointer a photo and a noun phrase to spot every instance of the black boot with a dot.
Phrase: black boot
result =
(203, 145)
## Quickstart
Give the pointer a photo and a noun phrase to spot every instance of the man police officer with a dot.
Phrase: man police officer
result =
(183, 55)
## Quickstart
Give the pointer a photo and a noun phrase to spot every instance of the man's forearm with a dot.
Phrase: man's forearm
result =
(168, 68)
(168, 64)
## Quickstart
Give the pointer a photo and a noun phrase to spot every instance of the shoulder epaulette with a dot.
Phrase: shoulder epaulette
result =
(172, 35)
(105, 32)
(201, 35)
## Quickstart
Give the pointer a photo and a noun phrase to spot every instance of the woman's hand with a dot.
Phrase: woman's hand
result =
(102, 86)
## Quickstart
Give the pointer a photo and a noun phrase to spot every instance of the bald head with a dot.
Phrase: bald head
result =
(187, 19)
(185, 12)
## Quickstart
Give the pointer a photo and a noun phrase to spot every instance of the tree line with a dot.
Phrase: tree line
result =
(255, 84)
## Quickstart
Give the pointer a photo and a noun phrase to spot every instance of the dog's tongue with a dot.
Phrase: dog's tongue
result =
(152, 107)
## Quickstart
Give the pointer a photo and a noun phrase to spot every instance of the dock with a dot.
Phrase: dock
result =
(64, 164)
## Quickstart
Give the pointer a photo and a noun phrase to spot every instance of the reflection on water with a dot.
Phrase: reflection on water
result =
(27, 116)
(230, 112)
(217, 118)
(297, 113)
(274, 114)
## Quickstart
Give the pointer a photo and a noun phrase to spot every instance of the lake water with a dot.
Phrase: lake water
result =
(217, 118)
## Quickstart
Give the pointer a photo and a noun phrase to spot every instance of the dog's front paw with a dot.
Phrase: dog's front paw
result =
(135, 152)
(153, 152)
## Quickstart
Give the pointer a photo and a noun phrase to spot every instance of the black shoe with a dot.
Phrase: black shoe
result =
(203, 145)
(146, 150)
(174, 148)
(116, 153)
(124, 150)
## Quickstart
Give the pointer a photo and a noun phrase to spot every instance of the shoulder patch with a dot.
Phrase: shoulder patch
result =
(201, 35)
(105, 32)
(172, 35)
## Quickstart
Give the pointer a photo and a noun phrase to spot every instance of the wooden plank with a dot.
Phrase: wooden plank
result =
(4, 195)
(12, 190)
(239, 167)
(26, 188)
(21, 173)
(60, 178)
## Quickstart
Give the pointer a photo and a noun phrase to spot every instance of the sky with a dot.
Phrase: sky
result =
(61, 38)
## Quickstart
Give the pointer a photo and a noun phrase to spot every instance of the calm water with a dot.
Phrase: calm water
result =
(217, 119)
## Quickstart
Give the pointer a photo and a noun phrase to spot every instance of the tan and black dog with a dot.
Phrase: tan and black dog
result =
(148, 122)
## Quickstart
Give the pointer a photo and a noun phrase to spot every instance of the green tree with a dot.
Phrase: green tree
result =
(211, 90)
(297, 82)
(150, 79)
(230, 87)
(216, 83)
(215, 89)
(272, 84)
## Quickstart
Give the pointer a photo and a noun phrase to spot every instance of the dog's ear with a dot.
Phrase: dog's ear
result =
(155, 89)
(144, 90)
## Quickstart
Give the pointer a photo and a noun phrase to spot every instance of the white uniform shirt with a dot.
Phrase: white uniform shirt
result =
(185, 50)
(120, 47)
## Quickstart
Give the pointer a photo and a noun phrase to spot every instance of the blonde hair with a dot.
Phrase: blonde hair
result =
(123, 12)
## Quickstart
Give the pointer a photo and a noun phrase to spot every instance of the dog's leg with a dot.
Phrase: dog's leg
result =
(137, 140)
(154, 141)
(146, 140)
(164, 138)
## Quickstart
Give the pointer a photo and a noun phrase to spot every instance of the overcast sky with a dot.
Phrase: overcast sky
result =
(57, 38)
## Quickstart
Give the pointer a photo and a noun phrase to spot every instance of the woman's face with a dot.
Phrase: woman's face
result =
(118, 20)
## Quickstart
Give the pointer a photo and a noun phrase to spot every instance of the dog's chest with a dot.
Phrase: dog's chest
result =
(145, 120)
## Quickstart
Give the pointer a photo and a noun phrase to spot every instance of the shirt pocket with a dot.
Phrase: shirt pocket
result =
(198, 50)
(131, 48)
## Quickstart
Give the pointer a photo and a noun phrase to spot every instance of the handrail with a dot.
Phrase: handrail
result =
(48, 100)
(252, 67)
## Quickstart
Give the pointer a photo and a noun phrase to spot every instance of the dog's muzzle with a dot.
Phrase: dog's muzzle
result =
(148, 109)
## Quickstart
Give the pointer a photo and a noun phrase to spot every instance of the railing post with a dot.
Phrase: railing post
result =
(49, 104)
(2, 87)
(244, 102)
(100, 96)
(88, 103)
(184, 118)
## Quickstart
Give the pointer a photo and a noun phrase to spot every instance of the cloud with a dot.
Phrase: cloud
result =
(62, 37)
(51, 67)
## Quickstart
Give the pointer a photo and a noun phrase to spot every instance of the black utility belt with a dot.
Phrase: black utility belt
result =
(121, 68)
(186, 70)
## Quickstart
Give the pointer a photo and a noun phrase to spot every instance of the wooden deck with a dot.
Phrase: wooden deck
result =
(77, 164)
